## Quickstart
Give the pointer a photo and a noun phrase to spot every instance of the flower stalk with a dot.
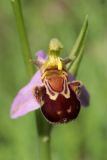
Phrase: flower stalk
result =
(26, 52)
(44, 143)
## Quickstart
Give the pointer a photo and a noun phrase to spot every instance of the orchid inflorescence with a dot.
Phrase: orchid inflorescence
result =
(52, 88)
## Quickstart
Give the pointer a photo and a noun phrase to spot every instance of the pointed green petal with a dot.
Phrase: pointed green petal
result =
(78, 48)
(75, 66)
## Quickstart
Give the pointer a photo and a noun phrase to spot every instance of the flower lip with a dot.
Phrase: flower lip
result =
(62, 109)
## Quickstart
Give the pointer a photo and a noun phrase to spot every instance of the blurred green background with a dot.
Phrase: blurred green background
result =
(84, 138)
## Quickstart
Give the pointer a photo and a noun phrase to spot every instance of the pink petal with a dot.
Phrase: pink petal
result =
(41, 57)
(24, 101)
(84, 96)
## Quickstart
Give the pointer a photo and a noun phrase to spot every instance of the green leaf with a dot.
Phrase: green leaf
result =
(78, 48)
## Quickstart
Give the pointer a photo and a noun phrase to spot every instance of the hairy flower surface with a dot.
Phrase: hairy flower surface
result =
(52, 89)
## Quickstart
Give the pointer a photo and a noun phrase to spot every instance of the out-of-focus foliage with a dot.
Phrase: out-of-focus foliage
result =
(86, 137)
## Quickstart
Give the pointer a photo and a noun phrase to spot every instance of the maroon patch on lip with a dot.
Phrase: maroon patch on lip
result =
(62, 109)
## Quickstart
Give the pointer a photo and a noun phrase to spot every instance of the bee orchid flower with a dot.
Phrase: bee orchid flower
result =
(52, 89)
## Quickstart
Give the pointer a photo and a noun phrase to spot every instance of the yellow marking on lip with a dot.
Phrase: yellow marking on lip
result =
(50, 72)
(59, 112)
(69, 110)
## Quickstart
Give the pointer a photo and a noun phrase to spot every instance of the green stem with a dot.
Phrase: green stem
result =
(44, 143)
(44, 132)
(42, 127)
(23, 36)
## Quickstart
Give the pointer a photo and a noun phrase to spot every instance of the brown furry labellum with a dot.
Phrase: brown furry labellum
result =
(59, 103)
